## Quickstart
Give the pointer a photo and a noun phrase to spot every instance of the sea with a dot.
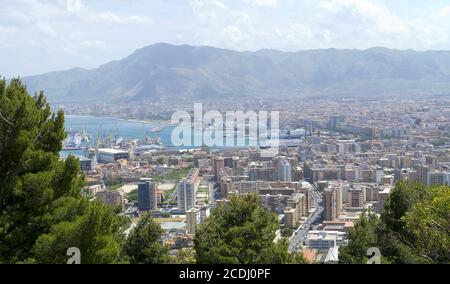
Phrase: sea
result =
(102, 127)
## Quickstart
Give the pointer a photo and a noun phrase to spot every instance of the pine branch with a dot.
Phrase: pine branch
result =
(5, 120)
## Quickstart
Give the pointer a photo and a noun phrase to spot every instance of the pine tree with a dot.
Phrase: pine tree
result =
(42, 213)
(428, 226)
(31, 173)
(413, 228)
(361, 237)
(91, 227)
(241, 233)
(142, 246)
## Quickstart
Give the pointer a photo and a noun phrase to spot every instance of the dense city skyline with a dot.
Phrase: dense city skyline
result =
(200, 137)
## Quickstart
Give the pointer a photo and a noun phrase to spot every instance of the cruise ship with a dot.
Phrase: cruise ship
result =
(75, 141)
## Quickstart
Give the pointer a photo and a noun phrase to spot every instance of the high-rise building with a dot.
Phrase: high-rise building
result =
(355, 197)
(298, 202)
(431, 160)
(260, 172)
(333, 122)
(447, 178)
(346, 146)
(192, 219)
(147, 197)
(435, 178)
(235, 165)
(367, 175)
(422, 173)
(217, 166)
(186, 195)
(406, 162)
(290, 217)
(284, 170)
(332, 198)
(371, 192)
(329, 204)
(351, 173)
(186, 191)
(225, 185)
(113, 198)
(297, 174)
(382, 197)
(394, 161)
(199, 155)
(338, 194)
(205, 211)
(328, 173)
(408, 175)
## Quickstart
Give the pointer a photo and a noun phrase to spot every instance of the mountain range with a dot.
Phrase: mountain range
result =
(189, 73)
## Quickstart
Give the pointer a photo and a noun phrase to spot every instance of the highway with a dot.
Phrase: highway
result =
(301, 232)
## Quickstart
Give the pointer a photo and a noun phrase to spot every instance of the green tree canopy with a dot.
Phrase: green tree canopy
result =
(92, 227)
(361, 237)
(142, 246)
(428, 225)
(184, 256)
(400, 201)
(394, 237)
(413, 228)
(42, 213)
(31, 173)
(241, 232)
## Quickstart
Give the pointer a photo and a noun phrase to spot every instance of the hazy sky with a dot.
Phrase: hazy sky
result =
(38, 36)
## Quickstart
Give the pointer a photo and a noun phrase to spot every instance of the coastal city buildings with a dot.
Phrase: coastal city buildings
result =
(339, 160)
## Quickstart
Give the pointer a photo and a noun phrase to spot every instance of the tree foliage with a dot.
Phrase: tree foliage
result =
(400, 201)
(91, 227)
(185, 256)
(428, 225)
(241, 232)
(413, 228)
(361, 237)
(42, 213)
(142, 246)
(32, 176)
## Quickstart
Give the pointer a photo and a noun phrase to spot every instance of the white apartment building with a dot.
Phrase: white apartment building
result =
(324, 240)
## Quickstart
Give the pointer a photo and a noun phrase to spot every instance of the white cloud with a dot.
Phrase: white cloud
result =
(76, 47)
(104, 17)
(92, 44)
(444, 12)
(206, 10)
(8, 30)
(74, 5)
(111, 18)
(235, 35)
(264, 3)
(294, 33)
(368, 12)
(202, 5)
(46, 28)
(241, 19)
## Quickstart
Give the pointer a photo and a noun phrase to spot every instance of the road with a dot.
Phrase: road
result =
(301, 232)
